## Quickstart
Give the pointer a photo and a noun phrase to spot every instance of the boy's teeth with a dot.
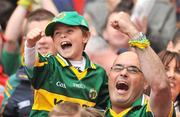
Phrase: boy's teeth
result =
(64, 43)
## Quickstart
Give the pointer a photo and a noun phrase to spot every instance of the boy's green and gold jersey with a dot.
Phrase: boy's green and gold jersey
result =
(55, 80)
(140, 108)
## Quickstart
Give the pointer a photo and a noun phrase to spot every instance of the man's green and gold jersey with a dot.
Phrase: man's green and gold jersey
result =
(140, 108)
(55, 80)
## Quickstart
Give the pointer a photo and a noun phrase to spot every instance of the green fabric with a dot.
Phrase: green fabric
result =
(71, 18)
(13, 81)
(48, 76)
(11, 62)
(35, 113)
(139, 109)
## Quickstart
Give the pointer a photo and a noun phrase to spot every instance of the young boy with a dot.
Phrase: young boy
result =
(69, 75)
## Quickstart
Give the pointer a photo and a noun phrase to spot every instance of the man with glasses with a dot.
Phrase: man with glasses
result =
(132, 72)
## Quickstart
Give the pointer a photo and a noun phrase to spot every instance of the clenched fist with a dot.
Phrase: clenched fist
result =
(33, 36)
(123, 23)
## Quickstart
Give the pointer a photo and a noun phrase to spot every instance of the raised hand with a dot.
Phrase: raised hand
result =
(33, 36)
(123, 23)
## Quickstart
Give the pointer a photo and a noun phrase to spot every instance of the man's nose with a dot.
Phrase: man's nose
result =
(123, 73)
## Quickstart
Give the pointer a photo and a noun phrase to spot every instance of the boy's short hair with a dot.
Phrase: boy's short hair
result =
(71, 18)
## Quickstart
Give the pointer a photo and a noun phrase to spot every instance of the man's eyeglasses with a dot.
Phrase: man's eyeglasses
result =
(130, 69)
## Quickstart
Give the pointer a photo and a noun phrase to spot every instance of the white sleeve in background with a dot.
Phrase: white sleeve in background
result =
(29, 56)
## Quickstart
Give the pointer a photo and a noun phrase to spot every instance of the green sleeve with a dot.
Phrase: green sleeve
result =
(38, 74)
(103, 97)
(11, 61)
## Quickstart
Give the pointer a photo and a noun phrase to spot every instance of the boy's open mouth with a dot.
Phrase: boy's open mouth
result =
(65, 45)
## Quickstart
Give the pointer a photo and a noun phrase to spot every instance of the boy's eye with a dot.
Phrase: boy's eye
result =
(56, 33)
(69, 31)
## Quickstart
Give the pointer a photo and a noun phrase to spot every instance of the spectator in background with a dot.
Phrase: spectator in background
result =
(64, 5)
(3, 76)
(171, 61)
(104, 50)
(69, 109)
(174, 44)
(15, 103)
(5, 12)
(176, 4)
(70, 5)
(161, 28)
(97, 11)
(11, 50)
(6, 8)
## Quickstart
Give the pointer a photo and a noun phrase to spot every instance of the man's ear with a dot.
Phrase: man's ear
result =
(146, 85)
(147, 88)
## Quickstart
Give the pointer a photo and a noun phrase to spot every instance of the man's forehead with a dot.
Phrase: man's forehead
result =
(129, 58)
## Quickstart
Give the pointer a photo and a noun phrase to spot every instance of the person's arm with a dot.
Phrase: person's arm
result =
(11, 50)
(14, 25)
(49, 5)
(30, 53)
(153, 69)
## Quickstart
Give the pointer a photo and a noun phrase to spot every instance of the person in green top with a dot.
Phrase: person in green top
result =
(69, 75)
(18, 83)
(132, 72)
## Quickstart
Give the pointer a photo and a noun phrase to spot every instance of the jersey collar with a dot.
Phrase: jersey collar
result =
(65, 62)
(139, 102)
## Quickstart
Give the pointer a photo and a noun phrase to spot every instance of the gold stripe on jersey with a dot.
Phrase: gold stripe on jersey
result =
(6, 92)
(8, 85)
(61, 61)
(171, 111)
(93, 65)
(45, 100)
(148, 109)
(39, 64)
(79, 75)
(121, 114)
